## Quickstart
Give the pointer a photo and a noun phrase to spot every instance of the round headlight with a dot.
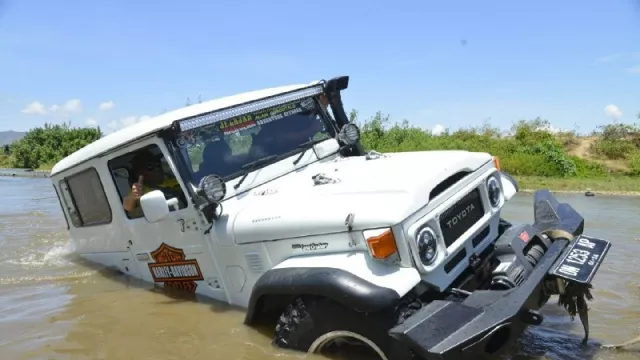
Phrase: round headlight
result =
(213, 188)
(350, 134)
(427, 246)
(495, 192)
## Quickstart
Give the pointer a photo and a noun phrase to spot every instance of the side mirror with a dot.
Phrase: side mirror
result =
(325, 148)
(155, 206)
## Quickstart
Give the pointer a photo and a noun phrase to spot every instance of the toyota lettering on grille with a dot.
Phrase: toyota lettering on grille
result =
(461, 215)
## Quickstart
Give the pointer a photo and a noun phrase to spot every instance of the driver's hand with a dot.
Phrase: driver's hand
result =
(137, 189)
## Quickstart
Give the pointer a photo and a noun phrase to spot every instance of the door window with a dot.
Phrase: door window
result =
(148, 168)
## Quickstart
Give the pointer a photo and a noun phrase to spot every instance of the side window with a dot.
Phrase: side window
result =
(85, 200)
(149, 165)
(68, 204)
(66, 219)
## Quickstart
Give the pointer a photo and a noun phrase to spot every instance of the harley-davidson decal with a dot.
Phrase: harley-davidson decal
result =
(172, 268)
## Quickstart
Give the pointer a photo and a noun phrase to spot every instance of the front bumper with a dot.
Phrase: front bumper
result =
(485, 322)
(488, 322)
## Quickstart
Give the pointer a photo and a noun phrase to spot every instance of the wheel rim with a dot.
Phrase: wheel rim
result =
(326, 339)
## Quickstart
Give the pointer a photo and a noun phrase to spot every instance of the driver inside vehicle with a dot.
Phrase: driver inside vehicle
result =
(148, 176)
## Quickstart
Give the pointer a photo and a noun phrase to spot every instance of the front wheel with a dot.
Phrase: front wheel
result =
(322, 326)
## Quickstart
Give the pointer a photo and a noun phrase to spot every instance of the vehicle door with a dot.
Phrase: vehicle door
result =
(173, 252)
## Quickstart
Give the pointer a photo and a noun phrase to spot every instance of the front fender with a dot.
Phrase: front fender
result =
(509, 185)
(352, 279)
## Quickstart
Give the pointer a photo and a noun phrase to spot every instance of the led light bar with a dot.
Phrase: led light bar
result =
(215, 116)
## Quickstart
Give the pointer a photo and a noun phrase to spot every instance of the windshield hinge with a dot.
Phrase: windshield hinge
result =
(348, 222)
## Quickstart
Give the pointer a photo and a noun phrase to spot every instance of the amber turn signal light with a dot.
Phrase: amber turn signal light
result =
(382, 246)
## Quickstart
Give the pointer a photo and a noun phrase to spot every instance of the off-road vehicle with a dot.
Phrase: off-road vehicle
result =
(268, 200)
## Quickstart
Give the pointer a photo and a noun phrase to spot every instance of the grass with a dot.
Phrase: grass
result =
(610, 184)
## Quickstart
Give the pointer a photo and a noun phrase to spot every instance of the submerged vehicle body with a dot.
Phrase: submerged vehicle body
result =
(268, 201)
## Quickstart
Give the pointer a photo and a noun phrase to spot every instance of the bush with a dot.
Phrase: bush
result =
(588, 169)
(532, 150)
(614, 149)
(634, 164)
(618, 141)
(49, 144)
(528, 164)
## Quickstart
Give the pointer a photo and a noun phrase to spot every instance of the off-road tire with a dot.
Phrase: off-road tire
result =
(308, 318)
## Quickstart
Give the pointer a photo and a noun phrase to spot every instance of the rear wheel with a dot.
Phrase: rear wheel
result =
(321, 326)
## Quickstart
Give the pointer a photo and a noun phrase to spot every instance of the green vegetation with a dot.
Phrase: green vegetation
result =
(606, 160)
(41, 148)
(606, 184)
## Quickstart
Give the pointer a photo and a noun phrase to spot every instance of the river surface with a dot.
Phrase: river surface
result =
(54, 307)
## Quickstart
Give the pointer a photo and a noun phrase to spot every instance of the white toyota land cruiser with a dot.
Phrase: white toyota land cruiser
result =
(268, 201)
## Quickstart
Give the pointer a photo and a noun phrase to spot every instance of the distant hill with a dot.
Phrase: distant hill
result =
(7, 137)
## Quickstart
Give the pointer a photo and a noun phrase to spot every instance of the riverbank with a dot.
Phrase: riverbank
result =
(24, 173)
(611, 185)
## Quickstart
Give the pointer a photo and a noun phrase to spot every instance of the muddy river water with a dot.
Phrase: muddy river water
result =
(53, 307)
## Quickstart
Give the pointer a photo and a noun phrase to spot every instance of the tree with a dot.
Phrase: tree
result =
(49, 144)
(7, 150)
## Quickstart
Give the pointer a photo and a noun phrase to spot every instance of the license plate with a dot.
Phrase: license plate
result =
(583, 258)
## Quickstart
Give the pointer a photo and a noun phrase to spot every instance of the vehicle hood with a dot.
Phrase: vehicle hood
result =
(378, 192)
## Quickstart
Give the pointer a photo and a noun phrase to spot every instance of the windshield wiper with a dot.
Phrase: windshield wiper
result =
(252, 165)
(306, 145)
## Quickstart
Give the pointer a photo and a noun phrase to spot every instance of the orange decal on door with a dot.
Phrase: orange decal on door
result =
(173, 269)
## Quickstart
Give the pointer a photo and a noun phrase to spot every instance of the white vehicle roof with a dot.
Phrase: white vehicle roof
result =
(163, 121)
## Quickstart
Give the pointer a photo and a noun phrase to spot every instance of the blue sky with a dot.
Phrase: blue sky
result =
(453, 63)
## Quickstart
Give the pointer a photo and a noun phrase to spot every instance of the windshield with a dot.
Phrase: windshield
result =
(222, 148)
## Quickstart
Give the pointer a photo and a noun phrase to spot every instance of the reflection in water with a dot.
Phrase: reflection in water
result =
(53, 306)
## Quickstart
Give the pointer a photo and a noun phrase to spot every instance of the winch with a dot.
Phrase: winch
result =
(516, 259)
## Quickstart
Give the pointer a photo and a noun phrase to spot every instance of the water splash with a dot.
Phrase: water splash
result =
(58, 255)
(47, 250)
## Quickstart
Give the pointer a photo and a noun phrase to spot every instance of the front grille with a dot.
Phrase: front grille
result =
(461, 216)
